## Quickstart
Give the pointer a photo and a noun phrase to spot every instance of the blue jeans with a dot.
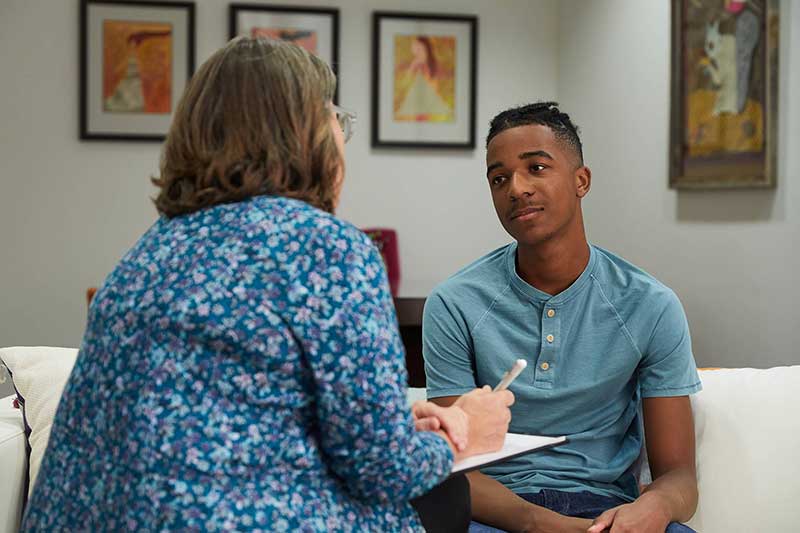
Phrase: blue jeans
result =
(577, 504)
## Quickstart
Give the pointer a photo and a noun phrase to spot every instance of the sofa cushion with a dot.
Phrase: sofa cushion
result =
(6, 388)
(746, 424)
(748, 450)
(39, 374)
(415, 394)
(747, 429)
(13, 465)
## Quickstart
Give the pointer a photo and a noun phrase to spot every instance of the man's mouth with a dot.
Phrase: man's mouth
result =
(525, 213)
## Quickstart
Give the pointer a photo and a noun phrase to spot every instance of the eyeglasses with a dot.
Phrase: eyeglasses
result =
(346, 119)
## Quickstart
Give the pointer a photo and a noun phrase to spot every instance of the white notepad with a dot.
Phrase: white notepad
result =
(514, 445)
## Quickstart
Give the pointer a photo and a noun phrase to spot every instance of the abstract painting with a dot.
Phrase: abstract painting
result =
(724, 93)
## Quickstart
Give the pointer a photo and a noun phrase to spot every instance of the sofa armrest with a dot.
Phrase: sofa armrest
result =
(13, 465)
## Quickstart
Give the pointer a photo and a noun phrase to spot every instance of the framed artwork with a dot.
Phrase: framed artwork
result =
(135, 60)
(315, 29)
(724, 112)
(423, 80)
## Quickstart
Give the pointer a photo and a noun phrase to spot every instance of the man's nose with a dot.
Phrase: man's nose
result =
(520, 187)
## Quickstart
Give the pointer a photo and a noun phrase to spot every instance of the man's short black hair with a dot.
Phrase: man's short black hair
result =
(544, 114)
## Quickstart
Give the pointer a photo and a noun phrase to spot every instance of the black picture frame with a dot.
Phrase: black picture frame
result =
(330, 53)
(421, 134)
(99, 124)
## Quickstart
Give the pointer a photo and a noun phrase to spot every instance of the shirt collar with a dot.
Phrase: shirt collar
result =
(532, 293)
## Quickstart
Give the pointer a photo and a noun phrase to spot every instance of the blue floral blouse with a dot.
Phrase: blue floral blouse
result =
(241, 370)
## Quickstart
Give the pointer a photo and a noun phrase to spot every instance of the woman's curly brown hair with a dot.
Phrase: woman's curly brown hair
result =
(253, 120)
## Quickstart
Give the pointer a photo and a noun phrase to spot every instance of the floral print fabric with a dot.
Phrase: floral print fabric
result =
(241, 370)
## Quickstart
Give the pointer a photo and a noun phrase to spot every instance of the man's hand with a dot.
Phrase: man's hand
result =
(646, 515)
(452, 420)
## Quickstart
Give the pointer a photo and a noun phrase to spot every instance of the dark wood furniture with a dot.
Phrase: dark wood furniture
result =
(409, 318)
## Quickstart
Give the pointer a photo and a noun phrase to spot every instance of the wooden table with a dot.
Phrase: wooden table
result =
(409, 317)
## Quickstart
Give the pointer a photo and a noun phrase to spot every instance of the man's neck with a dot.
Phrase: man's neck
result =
(554, 265)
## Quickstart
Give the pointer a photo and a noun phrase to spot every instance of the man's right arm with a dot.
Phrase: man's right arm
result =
(495, 505)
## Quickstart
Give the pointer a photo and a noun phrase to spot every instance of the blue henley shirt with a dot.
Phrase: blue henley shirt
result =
(615, 336)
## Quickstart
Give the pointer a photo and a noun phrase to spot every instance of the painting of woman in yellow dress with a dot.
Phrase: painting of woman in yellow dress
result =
(137, 67)
(424, 78)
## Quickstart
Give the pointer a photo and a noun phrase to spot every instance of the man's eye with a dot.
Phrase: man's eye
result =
(497, 180)
(537, 168)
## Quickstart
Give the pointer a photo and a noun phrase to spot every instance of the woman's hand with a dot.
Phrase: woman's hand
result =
(489, 416)
(453, 421)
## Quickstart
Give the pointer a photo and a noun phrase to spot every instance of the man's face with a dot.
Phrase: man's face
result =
(536, 183)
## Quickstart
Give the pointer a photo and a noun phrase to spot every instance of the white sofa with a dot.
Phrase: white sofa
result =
(747, 424)
(13, 465)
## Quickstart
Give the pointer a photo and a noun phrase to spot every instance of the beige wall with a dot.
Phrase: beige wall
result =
(69, 210)
(732, 256)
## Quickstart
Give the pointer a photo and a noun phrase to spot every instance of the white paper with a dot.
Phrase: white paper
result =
(514, 444)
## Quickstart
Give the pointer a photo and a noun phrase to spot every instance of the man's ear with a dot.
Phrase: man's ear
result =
(583, 181)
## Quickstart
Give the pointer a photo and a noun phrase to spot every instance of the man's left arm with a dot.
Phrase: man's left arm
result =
(672, 496)
(667, 375)
(669, 433)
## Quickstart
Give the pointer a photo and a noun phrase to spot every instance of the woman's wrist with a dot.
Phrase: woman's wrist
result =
(457, 455)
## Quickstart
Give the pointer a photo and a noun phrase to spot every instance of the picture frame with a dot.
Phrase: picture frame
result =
(314, 28)
(724, 94)
(136, 58)
(424, 68)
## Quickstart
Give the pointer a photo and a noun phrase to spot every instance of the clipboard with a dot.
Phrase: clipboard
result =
(516, 444)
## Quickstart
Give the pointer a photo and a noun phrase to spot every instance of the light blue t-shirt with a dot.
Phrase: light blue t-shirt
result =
(615, 336)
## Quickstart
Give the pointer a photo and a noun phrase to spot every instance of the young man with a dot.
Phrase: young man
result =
(608, 350)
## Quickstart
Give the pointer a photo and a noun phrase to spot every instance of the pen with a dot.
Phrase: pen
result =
(511, 375)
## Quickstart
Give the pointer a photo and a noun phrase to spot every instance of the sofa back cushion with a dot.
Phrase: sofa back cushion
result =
(39, 374)
(747, 428)
(747, 424)
(13, 466)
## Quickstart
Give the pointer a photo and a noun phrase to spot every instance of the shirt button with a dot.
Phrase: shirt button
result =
(550, 338)
(550, 313)
(544, 366)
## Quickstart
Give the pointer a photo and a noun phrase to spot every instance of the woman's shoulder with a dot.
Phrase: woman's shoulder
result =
(308, 221)
(262, 215)
(284, 229)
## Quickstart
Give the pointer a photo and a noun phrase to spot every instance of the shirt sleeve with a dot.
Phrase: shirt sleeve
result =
(668, 367)
(447, 349)
(343, 316)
